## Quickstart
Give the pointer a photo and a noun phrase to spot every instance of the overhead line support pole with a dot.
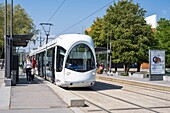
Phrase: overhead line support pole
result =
(5, 37)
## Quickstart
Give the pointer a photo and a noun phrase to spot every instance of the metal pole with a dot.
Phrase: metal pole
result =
(110, 55)
(47, 38)
(40, 39)
(11, 36)
(47, 31)
(11, 28)
(107, 55)
(5, 37)
(7, 47)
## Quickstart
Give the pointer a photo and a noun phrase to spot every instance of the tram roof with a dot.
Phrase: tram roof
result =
(65, 41)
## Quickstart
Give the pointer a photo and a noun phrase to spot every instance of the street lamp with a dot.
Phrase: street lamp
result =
(46, 28)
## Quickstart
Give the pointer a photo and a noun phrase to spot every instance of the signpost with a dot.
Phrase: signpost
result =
(157, 64)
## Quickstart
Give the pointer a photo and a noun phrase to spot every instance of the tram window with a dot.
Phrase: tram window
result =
(60, 58)
(80, 59)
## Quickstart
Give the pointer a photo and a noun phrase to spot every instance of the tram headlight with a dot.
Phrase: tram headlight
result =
(68, 73)
(93, 73)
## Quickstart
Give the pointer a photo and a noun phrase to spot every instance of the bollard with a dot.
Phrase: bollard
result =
(13, 77)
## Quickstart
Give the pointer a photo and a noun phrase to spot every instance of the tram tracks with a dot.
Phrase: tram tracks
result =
(103, 108)
(123, 100)
(131, 89)
(147, 95)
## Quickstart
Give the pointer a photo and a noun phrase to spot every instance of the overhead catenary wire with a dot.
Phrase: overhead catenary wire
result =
(56, 10)
(47, 23)
(51, 18)
(87, 17)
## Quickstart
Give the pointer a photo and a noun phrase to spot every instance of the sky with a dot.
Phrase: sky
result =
(73, 11)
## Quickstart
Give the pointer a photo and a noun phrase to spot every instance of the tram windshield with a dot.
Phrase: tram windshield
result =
(80, 59)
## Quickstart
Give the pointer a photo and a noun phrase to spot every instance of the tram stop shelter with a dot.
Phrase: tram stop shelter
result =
(101, 51)
(17, 41)
(21, 40)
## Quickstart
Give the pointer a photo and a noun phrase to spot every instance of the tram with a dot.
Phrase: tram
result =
(68, 61)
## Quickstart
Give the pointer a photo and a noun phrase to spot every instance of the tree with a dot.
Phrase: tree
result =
(97, 33)
(131, 37)
(22, 23)
(1, 26)
(162, 34)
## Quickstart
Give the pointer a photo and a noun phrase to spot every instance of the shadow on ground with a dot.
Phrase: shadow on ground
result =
(98, 86)
(23, 81)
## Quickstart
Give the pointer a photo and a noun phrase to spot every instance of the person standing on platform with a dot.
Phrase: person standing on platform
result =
(33, 67)
(28, 66)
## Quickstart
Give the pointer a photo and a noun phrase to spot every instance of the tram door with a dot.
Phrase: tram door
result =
(38, 62)
(60, 53)
(50, 64)
(41, 64)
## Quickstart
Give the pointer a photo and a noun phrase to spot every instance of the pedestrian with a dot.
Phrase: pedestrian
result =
(34, 65)
(28, 68)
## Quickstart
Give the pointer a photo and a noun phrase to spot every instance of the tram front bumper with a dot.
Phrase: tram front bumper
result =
(77, 84)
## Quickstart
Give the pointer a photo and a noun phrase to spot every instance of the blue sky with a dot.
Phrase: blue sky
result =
(72, 11)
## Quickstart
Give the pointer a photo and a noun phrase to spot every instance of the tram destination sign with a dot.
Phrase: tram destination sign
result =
(157, 62)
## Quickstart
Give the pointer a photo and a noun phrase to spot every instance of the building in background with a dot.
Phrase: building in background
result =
(151, 20)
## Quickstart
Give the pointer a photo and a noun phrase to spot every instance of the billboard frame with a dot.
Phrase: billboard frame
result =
(156, 64)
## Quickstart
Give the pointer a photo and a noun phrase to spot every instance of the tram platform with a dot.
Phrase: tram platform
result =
(36, 96)
(143, 82)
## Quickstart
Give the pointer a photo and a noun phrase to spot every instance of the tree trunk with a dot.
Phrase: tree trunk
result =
(138, 67)
(116, 68)
(126, 68)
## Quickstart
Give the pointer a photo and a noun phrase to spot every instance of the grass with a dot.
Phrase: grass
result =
(124, 74)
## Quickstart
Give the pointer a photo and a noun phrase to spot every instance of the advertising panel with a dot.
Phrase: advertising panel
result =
(157, 62)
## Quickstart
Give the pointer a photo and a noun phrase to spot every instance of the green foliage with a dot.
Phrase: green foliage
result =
(124, 74)
(131, 37)
(22, 23)
(1, 26)
(162, 34)
(97, 33)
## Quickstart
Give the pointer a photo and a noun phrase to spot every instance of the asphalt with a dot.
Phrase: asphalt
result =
(44, 97)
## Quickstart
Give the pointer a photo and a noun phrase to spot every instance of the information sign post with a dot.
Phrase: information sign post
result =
(157, 64)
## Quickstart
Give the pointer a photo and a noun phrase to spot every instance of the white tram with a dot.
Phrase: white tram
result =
(69, 60)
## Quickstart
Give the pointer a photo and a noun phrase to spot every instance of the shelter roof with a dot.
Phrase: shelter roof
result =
(21, 40)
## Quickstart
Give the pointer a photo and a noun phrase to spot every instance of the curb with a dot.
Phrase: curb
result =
(71, 99)
(5, 96)
(137, 83)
